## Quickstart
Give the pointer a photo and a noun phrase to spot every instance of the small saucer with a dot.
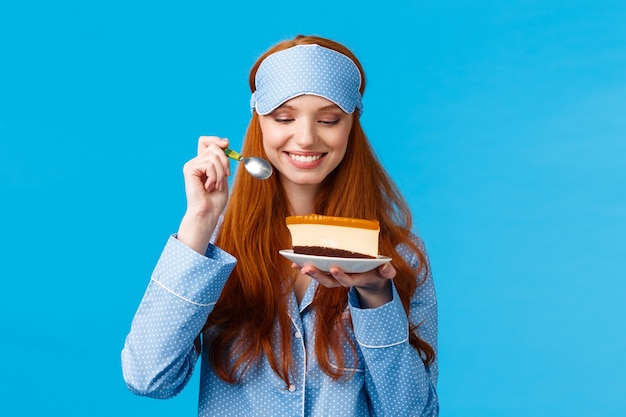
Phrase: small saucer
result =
(323, 263)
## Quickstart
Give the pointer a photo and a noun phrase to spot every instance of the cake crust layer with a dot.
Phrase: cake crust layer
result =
(323, 251)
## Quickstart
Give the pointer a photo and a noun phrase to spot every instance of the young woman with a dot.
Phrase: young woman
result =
(277, 339)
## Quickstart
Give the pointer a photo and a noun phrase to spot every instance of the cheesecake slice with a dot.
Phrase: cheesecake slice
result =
(341, 237)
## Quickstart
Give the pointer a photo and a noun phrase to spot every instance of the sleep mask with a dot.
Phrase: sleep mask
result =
(307, 69)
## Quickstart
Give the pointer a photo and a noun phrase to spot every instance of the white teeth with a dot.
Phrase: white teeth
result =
(305, 158)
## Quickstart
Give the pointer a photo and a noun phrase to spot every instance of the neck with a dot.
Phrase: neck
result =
(301, 199)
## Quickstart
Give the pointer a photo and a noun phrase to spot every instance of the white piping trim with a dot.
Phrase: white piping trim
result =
(180, 296)
(384, 346)
(305, 362)
(347, 369)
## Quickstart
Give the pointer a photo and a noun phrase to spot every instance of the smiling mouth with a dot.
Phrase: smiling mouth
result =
(305, 158)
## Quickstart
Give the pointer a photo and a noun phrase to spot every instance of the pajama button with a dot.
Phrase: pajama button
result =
(292, 388)
(298, 335)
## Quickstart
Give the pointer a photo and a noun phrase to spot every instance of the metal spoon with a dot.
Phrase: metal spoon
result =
(257, 167)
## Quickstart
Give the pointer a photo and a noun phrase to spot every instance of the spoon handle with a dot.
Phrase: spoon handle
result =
(233, 154)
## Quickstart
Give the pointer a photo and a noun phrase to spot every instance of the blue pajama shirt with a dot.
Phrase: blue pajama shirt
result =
(389, 379)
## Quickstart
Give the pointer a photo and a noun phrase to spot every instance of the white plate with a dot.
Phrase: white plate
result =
(323, 263)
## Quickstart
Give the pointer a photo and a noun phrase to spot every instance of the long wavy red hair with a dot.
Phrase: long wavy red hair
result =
(255, 300)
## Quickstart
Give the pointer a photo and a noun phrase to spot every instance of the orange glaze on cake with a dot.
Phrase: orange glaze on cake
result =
(332, 220)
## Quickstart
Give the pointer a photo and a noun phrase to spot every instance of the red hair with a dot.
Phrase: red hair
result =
(254, 301)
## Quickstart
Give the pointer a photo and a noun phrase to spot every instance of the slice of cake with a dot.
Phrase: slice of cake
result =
(340, 237)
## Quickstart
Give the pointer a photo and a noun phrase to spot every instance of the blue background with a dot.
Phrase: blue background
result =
(502, 122)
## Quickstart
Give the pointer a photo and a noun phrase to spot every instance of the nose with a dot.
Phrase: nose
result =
(305, 134)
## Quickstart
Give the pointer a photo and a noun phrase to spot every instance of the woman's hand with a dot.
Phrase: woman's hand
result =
(206, 189)
(206, 177)
(373, 287)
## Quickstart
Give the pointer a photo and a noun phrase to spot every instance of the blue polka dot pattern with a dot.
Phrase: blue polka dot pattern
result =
(387, 376)
(306, 69)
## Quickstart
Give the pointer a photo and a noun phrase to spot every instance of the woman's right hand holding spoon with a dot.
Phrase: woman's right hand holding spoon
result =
(206, 189)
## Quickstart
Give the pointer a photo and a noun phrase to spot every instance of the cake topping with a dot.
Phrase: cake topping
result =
(332, 220)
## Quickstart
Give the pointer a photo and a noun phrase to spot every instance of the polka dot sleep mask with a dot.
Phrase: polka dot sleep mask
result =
(306, 69)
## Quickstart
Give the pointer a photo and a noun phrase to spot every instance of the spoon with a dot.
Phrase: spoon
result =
(257, 167)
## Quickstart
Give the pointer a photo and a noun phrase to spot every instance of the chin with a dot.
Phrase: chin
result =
(305, 180)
